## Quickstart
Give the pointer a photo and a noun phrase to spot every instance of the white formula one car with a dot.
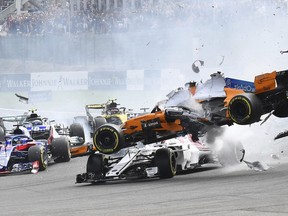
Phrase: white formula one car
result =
(162, 160)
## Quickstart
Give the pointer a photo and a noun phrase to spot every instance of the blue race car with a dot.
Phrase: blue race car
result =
(20, 153)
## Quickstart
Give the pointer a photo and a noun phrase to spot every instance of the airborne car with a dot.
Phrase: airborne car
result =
(183, 112)
(222, 101)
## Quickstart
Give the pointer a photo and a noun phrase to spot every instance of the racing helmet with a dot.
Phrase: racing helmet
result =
(36, 122)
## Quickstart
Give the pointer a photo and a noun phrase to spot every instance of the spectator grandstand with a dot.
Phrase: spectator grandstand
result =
(126, 34)
(40, 17)
(5, 3)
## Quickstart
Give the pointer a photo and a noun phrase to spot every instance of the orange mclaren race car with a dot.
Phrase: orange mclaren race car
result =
(223, 101)
(270, 96)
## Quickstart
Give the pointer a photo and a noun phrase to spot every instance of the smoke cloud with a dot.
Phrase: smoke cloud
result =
(160, 42)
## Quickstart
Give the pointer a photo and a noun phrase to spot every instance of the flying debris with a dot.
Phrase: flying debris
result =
(286, 51)
(195, 65)
(267, 117)
(281, 135)
(256, 165)
(223, 57)
(276, 157)
(22, 98)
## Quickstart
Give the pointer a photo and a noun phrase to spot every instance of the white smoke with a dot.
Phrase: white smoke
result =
(250, 42)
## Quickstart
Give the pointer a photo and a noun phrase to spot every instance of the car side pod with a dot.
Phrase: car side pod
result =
(109, 138)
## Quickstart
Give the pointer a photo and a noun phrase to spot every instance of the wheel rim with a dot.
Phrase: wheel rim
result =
(173, 163)
(106, 139)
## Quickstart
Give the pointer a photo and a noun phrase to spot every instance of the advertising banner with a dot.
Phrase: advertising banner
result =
(14, 82)
(152, 79)
(135, 80)
(59, 81)
(107, 80)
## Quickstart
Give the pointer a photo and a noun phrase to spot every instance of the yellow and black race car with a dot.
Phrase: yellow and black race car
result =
(97, 115)
(226, 104)
(110, 113)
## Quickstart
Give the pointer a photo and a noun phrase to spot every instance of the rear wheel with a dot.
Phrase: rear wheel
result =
(35, 153)
(165, 161)
(76, 129)
(281, 110)
(245, 109)
(61, 149)
(109, 139)
(99, 121)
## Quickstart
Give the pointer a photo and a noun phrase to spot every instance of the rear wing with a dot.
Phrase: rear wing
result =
(93, 106)
(271, 81)
(262, 83)
(19, 119)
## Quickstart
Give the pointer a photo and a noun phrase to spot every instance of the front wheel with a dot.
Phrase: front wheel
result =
(165, 161)
(95, 166)
(35, 153)
(109, 139)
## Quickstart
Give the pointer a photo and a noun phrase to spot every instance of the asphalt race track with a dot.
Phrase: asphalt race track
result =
(207, 191)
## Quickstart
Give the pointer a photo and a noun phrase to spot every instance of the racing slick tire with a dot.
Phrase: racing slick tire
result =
(94, 170)
(2, 133)
(61, 149)
(95, 164)
(109, 138)
(99, 121)
(165, 160)
(282, 110)
(230, 154)
(77, 129)
(245, 109)
(35, 153)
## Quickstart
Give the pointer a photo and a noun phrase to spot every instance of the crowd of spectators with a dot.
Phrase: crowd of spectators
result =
(56, 18)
